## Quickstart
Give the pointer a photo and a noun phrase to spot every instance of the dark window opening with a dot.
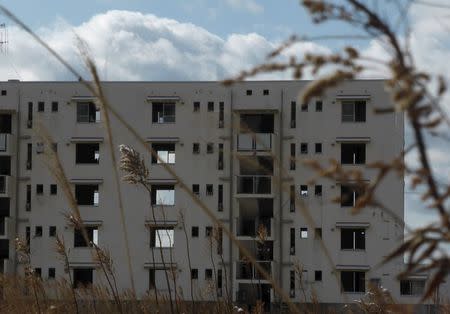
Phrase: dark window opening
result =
(208, 274)
(29, 156)
(194, 232)
(304, 107)
(221, 114)
(249, 92)
(5, 165)
(219, 239)
(87, 153)
(41, 106)
(353, 281)
(412, 287)
(209, 148)
(4, 248)
(353, 154)
(318, 233)
(87, 194)
(87, 112)
(165, 152)
(5, 124)
(318, 190)
(220, 198)
(52, 231)
(38, 272)
(318, 148)
(38, 231)
(196, 189)
(39, 189)
(257, 123)
(292, 284)
(151, 279)
(163, 112)
(293, 114)
(303, 190)
(163, 195)
(353, 239)
(51, 273)
(54, 106)
(196, 148)
(194, 273)
(265, 92)
(3, 92)
(350, 194)
(292, 242)
(53, 189)
(28, 202)
(196, 106)
(54, 147)
(318, 275)
(28, 236)
(292, 198)
(303, 148)
(92, 237)
(292, 161)
(82, 277)
(30, 115)
(210, 106)
(208, 231)
(319, 106)
(221, 161)
(353, 111)
(209, 189)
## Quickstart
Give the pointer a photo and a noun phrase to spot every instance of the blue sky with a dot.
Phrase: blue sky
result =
(202, 40)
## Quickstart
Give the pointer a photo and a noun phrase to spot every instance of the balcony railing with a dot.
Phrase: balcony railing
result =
(254, 142)
(253, 227)
(248, 271)
(254, 184)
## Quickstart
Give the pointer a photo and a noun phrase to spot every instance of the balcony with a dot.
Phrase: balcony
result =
(5, 186)
(261, 142)
(248, 228)
(254, 184)
(6, 144)
(247, 271)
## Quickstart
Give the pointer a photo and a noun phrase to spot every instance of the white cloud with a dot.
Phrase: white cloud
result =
(247, 5)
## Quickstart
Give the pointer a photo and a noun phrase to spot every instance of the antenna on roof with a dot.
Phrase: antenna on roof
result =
(3, 39)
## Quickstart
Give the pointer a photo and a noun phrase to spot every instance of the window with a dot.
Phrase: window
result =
(249, 92)
(196, 189)
(220, 198)
(319, 106)
(221, 114)
(28, 236)
(196, 106)
(52, 231)
(219, 240)
(87, 153)
(219, 282)
(353, 239)
(92, 237)
(209, 148)
(353, 154)
(265, 92)
(163, 112)
(87, 112)
(41, 106)
(54, 106)
(208, 274)
(165, 152)
(51, 273)
(38, 272)
(318, 190)
(210, 106)
(303, 148)
(53, 189)
(29, 156)
(194, 273)
(194, 232)
(38, 231)
(30, 115)
(196, 148)
(82, 277)
(292, 160)
(220, 164)
(3, 92)
(55, 147)
(292, 242)
(39, 189)
(412, 287)
(353, 281)
(303, 190)
(292, 198)
(318, 275)
(87, 194)
(208, 231)
(304, 107)
(28, 203)
(292, 283)
(303, 233)
(39, 148)
(163, 195)
(162, 237)
(209, 189)
(318, 148)
(318, 233)
(350, 194)
(353, 111)
(293, 114)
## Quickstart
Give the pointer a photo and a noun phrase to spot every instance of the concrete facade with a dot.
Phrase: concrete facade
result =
(251, 195)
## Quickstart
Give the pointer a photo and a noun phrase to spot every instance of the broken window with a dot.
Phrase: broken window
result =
(92, 236)
(87, 112)
(303, 148)
(293, 114)
(303, 233)
(220, 198)
(87, 194)
(196, 189)
(210, 106)
(165, 152)
(209, 148)
(353, 281)
(353, 111)
(319, 106)
(38, 231)
(353, 239)
(53, 189)
(194, 273)
(194, 232)
(292, 242)
(54, 106)
(163, 112)
(163, 195)
(39, 189)
(412, 287)
(318, 190)
(303, 190)
(52, 231)
(196, 148)
(292, 160)
(350, 194)
(82, 277)
(196, 106)
(208, 274)
(221, 114)
(209, 189)
(162, 237)
(41, 106)
(292, 198)
(220, 164)
(318, 275)
(353, 154)
(87, 153)
(318, 148)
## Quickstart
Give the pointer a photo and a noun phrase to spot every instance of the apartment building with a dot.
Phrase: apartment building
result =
(241, 149)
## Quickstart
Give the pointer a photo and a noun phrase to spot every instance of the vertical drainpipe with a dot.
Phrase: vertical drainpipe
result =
(17, 159)
(280, 182)
(231, 198)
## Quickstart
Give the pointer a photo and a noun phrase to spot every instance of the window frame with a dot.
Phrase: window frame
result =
(165, 112)
(155, 237)
(354, 116)
(356, 243)
(357, 281)
(91, 117)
